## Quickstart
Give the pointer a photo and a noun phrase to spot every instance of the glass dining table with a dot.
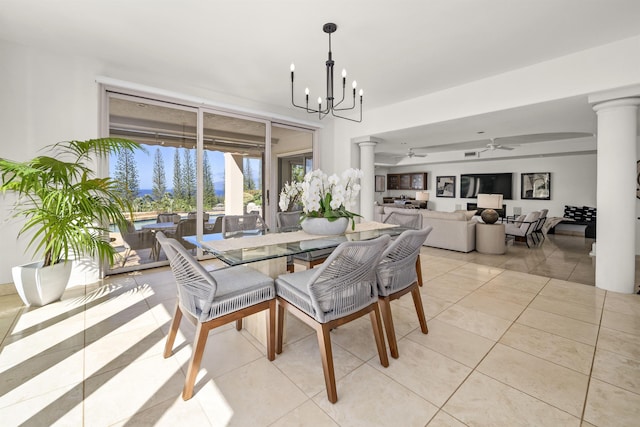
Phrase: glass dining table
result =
(251, 246)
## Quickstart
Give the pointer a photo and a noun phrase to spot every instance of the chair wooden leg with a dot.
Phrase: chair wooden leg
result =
(324, 342)
(385, 309)
(290, 268)
(417, 301)
(280, 328)
(419, 270)
(239, 325)
(376, 323)
(173, 330)
(271, 330)
(194, 365)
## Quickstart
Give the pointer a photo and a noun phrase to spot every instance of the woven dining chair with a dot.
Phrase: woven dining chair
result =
(342, 289)
(412, 220)
(290, 221)
(212, 299)
(397, 276)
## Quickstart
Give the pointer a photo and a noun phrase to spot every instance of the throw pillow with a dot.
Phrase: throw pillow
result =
(573, 212)
(589, 214)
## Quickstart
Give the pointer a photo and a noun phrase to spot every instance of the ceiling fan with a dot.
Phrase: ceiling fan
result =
(492, 146)
(411, 154)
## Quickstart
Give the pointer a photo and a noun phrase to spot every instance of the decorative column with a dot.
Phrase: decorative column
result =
(233, 184)
(367, 192)
(616, 189)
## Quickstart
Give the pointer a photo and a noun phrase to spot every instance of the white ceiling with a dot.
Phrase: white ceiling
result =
(395, 49)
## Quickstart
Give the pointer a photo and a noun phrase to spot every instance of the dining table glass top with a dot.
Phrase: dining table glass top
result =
(248, 246)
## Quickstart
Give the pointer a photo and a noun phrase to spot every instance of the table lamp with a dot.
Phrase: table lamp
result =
(423, 197)
(489, 202)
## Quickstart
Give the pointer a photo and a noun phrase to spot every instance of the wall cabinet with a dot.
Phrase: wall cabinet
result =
(407, 181)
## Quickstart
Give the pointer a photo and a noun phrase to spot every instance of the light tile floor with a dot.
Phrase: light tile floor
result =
(513, 340)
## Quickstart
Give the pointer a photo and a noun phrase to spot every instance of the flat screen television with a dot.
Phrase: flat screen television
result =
(486, 183)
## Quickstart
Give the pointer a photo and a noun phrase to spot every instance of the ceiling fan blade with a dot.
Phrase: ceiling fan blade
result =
(503, 147)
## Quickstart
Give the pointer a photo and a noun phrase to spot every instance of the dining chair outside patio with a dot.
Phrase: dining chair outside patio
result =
(212, 299)
(342, 289)
(231, 223)
(168, 217)
(134, 240)
(397, 276)
(411, 219)
(186, 227)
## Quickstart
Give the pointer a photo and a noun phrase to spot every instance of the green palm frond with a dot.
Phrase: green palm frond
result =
(64, 205)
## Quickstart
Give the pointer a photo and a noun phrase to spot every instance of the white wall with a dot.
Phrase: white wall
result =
(45, 99)
(573, 182)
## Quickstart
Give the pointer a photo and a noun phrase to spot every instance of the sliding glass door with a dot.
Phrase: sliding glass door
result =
(196, 164)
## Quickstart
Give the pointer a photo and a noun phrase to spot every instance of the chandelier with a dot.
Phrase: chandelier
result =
(330, 105)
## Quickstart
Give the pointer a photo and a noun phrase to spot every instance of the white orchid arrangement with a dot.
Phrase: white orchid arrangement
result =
(324, 196)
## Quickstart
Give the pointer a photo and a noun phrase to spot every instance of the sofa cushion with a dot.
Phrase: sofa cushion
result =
(452, 216)
(468, 214)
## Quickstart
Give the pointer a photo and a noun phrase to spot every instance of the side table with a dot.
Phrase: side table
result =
(490, 239)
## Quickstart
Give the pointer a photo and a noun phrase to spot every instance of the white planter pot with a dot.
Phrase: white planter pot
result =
(324, 227)
(37, 285)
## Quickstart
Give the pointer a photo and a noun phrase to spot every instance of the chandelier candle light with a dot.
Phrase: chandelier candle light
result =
(331, 106)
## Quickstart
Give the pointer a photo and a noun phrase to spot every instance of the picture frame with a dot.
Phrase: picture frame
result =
(446, 186)
(380, 181)
(535, 186)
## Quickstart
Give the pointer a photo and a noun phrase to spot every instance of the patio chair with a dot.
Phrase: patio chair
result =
(136, 240)
(231, 223)
(168, 217)
(521, 228)
(212, 299)
(409, 219)
(186, 227)
(397, 276)
(215, 228)
(342, 289)
(194, 215)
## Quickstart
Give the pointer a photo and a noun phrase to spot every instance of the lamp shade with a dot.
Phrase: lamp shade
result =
(490, 201)
(422, 196)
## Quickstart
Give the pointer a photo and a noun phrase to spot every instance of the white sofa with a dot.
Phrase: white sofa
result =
(451, 230)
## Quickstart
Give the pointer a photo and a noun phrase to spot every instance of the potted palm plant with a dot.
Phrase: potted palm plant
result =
(66, 211)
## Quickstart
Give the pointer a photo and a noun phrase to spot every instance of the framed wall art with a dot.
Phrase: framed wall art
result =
(445, 186)
(380, 183)
(535, 186)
